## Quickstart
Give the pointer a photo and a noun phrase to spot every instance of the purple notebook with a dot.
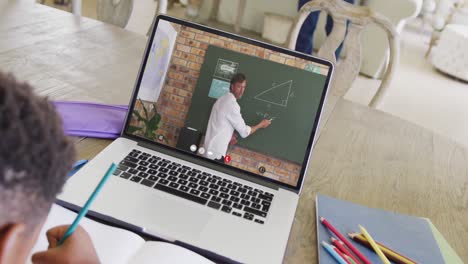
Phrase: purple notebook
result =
(91, 119)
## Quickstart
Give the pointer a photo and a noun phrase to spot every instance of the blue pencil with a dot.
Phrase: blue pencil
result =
(85, 208)
(332, 252)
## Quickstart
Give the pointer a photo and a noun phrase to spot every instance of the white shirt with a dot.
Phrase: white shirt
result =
(225, 117)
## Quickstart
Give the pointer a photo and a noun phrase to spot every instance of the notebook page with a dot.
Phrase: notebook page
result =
(449, 254)
(166, 253)
(113, 245)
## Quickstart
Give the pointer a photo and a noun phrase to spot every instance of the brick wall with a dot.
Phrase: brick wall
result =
(285, 171)
(174, 101)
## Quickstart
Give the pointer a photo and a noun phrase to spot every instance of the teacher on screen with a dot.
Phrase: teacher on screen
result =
(225, 118)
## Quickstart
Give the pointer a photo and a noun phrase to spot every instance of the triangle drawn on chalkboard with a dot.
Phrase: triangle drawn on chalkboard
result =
(277, 95)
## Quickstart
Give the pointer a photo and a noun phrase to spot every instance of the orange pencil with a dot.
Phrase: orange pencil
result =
(389, 253)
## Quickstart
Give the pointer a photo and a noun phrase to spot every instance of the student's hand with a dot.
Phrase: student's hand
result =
(233, 140)
(264, 123)
(77, 248)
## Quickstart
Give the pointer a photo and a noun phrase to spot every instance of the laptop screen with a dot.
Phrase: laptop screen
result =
(231, 100)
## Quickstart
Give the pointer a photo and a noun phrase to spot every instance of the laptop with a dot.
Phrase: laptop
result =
(216, 144)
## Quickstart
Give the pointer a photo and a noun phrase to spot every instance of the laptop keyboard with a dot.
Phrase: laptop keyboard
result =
(200, 187)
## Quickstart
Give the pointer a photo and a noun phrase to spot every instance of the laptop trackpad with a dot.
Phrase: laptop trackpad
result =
(158, 212)
(179, 219)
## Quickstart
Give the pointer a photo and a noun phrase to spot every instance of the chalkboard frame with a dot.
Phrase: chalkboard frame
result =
(307, 88)
(222, 167)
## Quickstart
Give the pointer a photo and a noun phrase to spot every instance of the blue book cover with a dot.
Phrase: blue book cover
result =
(408, 235)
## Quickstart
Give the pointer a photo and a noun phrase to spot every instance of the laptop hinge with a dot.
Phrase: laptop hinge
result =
(210, 165)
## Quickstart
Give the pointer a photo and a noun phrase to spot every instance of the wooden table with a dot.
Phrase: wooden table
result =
(362, 155)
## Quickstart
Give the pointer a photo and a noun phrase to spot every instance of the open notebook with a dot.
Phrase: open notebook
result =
(115, 245)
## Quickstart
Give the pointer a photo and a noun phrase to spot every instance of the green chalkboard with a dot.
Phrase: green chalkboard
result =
(290, 96)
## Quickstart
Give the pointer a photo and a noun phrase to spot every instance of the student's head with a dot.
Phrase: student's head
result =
(238, 84)
(35, 157)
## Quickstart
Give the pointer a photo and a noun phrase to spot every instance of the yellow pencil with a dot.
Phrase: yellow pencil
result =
(392, 255)
(374, 245)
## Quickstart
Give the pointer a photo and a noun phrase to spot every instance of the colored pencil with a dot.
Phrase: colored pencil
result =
(332, 252)
(390, 253)
(347, 243)
(85, 208)
(342, 255)
(350, 260)
(340, 245)
(374, 245)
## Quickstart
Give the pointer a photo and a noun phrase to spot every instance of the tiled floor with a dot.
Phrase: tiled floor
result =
(140, 23)
(418, 93)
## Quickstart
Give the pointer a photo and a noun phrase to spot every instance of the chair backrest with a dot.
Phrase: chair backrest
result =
(359, 17)
(123, 13)
(116, 12)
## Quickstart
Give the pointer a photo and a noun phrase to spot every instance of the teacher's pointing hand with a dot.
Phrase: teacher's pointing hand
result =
(264, 123)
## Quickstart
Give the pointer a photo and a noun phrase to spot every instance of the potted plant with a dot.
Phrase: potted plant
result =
(151, 124)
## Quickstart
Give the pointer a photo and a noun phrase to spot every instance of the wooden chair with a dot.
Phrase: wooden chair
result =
(347, 69)
(123, 13)
(116, 12)
(239, 15)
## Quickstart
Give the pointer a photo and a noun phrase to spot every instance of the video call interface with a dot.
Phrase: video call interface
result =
(201, 93)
